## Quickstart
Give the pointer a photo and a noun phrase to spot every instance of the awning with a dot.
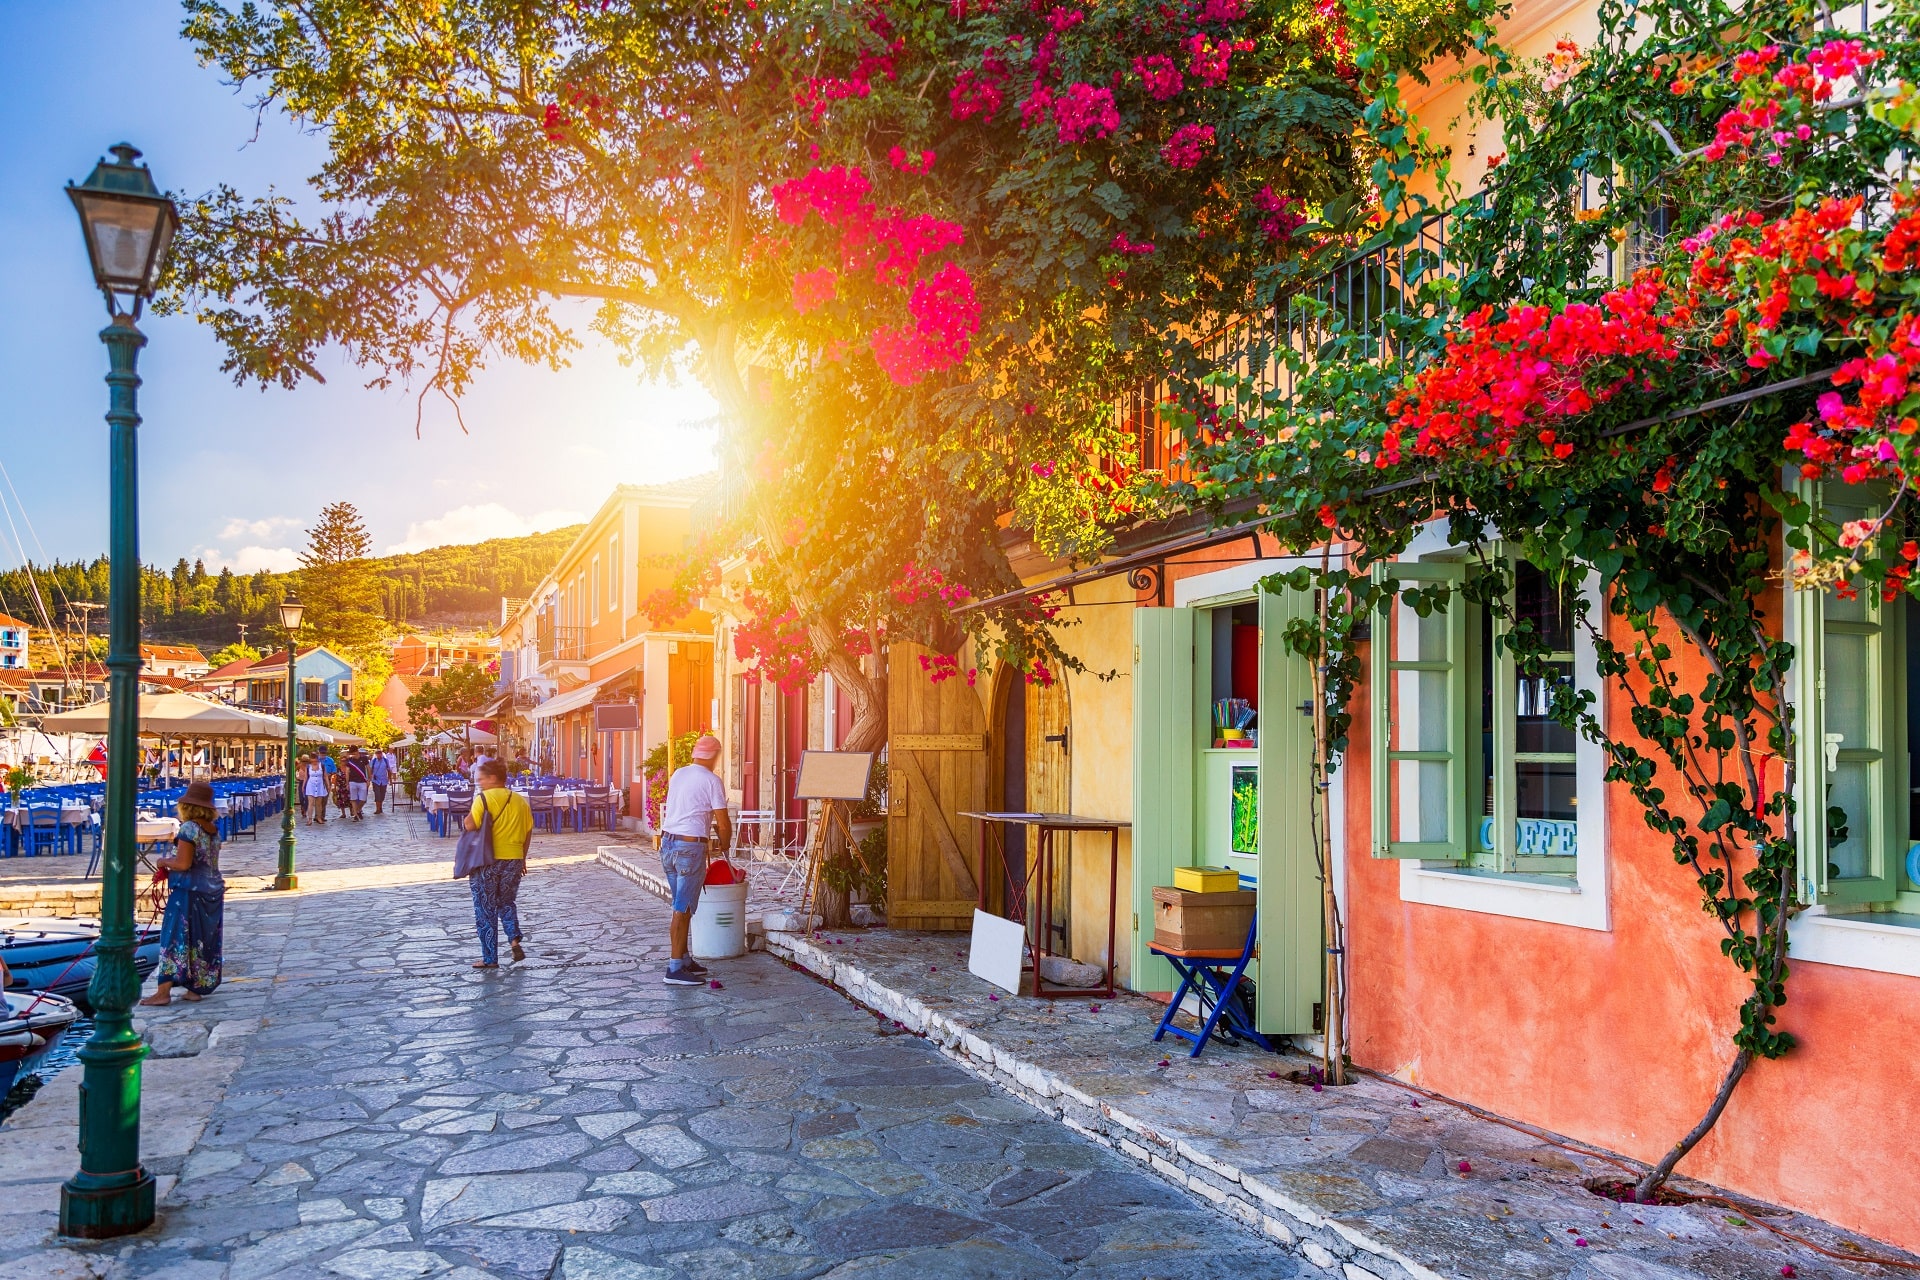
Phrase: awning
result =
(171, 715)
(573, 700)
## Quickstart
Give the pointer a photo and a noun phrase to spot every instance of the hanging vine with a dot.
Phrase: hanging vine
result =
(1693, 272)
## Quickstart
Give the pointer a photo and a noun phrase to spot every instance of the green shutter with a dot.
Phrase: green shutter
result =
(1420, 720)
(1851, 735)
(1163, 765)
(1292, 951)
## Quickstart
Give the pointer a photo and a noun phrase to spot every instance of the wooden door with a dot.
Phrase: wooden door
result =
(1048, 756)
(937, 754)
(791, 741)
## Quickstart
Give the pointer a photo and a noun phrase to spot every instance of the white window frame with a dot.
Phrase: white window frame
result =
(1579, 901)
(615, 578)
(594, 594)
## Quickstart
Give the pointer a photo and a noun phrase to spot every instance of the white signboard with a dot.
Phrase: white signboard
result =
(998, 947)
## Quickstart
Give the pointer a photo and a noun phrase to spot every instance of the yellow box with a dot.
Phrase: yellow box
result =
(1206, 879)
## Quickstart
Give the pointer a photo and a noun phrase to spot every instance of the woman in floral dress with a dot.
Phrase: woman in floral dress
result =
(190, 931)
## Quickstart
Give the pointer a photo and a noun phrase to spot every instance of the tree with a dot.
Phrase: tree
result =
(339, 585)
(235, 652)
(461, 691)
(916, 250)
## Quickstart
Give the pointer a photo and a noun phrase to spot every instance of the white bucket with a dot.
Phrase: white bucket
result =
(720, 922)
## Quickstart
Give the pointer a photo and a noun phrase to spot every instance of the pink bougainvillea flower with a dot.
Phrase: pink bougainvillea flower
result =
(1044, 470)
(814, 289)
(1085, 112)
(1188, 144)
(1160, 76)
(1464, 1167)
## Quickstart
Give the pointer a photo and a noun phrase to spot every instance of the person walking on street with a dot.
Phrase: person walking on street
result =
(496, 886)
(315, 790)
(191, 929)
(356, 773)
(696, 805)
(380, 774)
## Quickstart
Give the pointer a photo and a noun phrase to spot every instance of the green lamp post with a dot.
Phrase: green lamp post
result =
(129, 224)
(291, 611)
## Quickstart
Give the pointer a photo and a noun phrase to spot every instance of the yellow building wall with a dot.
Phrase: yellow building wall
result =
(1100, 778)
(1530, 32)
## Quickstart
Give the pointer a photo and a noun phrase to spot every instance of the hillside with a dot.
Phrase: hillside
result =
(457, 585)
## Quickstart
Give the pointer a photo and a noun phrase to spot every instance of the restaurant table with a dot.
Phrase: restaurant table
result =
(1039, 870)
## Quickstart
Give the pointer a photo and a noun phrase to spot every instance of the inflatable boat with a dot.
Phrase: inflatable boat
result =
(57, 955)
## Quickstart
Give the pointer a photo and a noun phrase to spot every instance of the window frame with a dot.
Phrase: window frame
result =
(1580, 900)
(1885, 633)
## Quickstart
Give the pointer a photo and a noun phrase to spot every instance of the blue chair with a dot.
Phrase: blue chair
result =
(546, 816)
(42, 832)
(1214, 976)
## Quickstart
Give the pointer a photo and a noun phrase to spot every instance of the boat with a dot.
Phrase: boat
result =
(56, 955)
(35, 1022)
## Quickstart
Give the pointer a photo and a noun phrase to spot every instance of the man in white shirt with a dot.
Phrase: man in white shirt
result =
(696, 804)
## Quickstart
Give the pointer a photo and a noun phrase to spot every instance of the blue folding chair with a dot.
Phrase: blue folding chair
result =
(1213, 976)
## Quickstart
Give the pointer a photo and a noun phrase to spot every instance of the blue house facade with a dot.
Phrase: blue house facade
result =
(323, 679)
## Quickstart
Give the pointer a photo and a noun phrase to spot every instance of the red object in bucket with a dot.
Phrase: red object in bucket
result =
(721, 872)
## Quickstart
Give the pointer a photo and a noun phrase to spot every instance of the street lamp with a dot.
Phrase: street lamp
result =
(291, 611)
(128, 223)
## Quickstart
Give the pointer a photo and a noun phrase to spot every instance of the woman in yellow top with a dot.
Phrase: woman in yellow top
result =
(496, 886)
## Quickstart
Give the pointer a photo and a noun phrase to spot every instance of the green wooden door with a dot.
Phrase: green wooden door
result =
(1164, 728)
(1288, 973)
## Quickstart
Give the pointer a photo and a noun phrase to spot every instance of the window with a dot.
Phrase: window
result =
(596, 589)
(615, 575)
(1476, 788)
(1857, 691)
(313, 691)
(346, 691)
(1479, 774)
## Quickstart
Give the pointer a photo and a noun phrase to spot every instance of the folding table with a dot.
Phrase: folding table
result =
(1206, 973)
(1039, 871)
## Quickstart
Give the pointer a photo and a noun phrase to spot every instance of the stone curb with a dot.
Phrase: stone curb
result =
(1335, 1247)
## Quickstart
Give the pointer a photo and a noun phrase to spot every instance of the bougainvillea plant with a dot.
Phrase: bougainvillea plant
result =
(1684, 301)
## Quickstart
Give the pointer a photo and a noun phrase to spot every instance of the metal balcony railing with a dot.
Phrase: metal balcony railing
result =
(563, 644)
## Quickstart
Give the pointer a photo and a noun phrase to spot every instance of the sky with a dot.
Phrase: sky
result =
(234, 475)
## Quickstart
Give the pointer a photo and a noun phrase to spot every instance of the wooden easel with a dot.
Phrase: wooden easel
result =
(832, 811)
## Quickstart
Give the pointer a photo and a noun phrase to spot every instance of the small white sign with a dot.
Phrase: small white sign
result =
(999, 945)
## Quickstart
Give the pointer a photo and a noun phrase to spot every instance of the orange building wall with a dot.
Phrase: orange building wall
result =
(1620, 1038)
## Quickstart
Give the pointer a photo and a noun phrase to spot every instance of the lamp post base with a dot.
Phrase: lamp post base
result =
(287, 881)
(101, 1213)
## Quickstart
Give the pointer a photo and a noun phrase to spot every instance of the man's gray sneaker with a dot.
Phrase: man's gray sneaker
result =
(684, 978)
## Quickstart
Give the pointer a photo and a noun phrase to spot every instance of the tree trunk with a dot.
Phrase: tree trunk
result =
(862, 682)
(1648, 1186)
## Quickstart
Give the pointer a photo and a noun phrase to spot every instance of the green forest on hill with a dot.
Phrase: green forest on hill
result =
(189, 604)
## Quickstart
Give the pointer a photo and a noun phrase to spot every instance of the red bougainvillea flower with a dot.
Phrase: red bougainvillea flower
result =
(1502, 380)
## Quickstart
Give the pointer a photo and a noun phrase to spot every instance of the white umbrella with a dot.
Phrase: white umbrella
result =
(169, 715)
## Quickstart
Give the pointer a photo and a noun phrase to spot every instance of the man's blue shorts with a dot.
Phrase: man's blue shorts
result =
(684, 860)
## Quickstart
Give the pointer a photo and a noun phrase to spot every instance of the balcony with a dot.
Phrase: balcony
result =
(564, 649)
(278, 707)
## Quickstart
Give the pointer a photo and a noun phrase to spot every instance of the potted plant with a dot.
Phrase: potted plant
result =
(19, 778)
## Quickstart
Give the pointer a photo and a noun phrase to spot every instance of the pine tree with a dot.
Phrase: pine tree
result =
(338, 584)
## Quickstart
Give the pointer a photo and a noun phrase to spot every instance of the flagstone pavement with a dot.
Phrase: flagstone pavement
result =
(357, 1102)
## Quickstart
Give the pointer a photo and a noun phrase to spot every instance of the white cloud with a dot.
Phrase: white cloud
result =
(477, 522)
(260, 530)
(251, 559)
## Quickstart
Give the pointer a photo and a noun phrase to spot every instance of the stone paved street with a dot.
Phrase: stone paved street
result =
(388, 1112)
